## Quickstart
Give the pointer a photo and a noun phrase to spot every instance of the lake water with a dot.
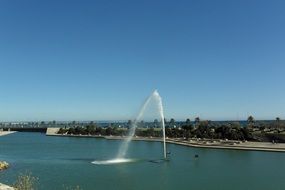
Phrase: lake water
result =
(59, 162)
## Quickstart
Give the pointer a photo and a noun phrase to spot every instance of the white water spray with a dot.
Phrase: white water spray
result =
(125, 145)
(160, 109)
(155, 97)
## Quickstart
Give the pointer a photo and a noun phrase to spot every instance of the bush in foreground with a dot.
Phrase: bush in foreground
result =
(26, 182)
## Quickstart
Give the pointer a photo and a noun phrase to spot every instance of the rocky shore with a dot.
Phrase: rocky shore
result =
(3, 165)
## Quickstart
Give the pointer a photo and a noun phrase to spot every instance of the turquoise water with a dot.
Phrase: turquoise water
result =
(65, 161)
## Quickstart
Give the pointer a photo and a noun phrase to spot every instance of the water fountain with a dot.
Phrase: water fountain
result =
(120, 158)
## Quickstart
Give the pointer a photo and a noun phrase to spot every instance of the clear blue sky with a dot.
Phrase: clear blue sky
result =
(99, 60)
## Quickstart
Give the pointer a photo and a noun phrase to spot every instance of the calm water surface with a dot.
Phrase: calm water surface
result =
(65, 161)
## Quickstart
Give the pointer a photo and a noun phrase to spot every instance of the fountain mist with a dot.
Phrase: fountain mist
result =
(157, 99)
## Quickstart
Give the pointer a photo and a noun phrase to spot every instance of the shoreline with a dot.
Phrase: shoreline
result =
(6, 187)
(197, 143)
(3, 133)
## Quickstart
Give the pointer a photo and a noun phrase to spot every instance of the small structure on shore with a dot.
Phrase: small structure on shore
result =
(3, 165)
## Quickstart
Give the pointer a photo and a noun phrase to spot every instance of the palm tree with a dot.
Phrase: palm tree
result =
(250, 121)
(141, 123)
(129, 124)
(155, 123)
(172, 122)
(188, 122)
(277, 122)
(197, 121)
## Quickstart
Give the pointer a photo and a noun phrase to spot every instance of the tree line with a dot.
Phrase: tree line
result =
(197, 129)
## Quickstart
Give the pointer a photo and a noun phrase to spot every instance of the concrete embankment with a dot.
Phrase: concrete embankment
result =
(253, 146)
(52, 131)
(3, 133)
(235, 145)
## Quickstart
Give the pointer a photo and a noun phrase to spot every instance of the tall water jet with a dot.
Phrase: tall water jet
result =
(156, 97)
(161, 113)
